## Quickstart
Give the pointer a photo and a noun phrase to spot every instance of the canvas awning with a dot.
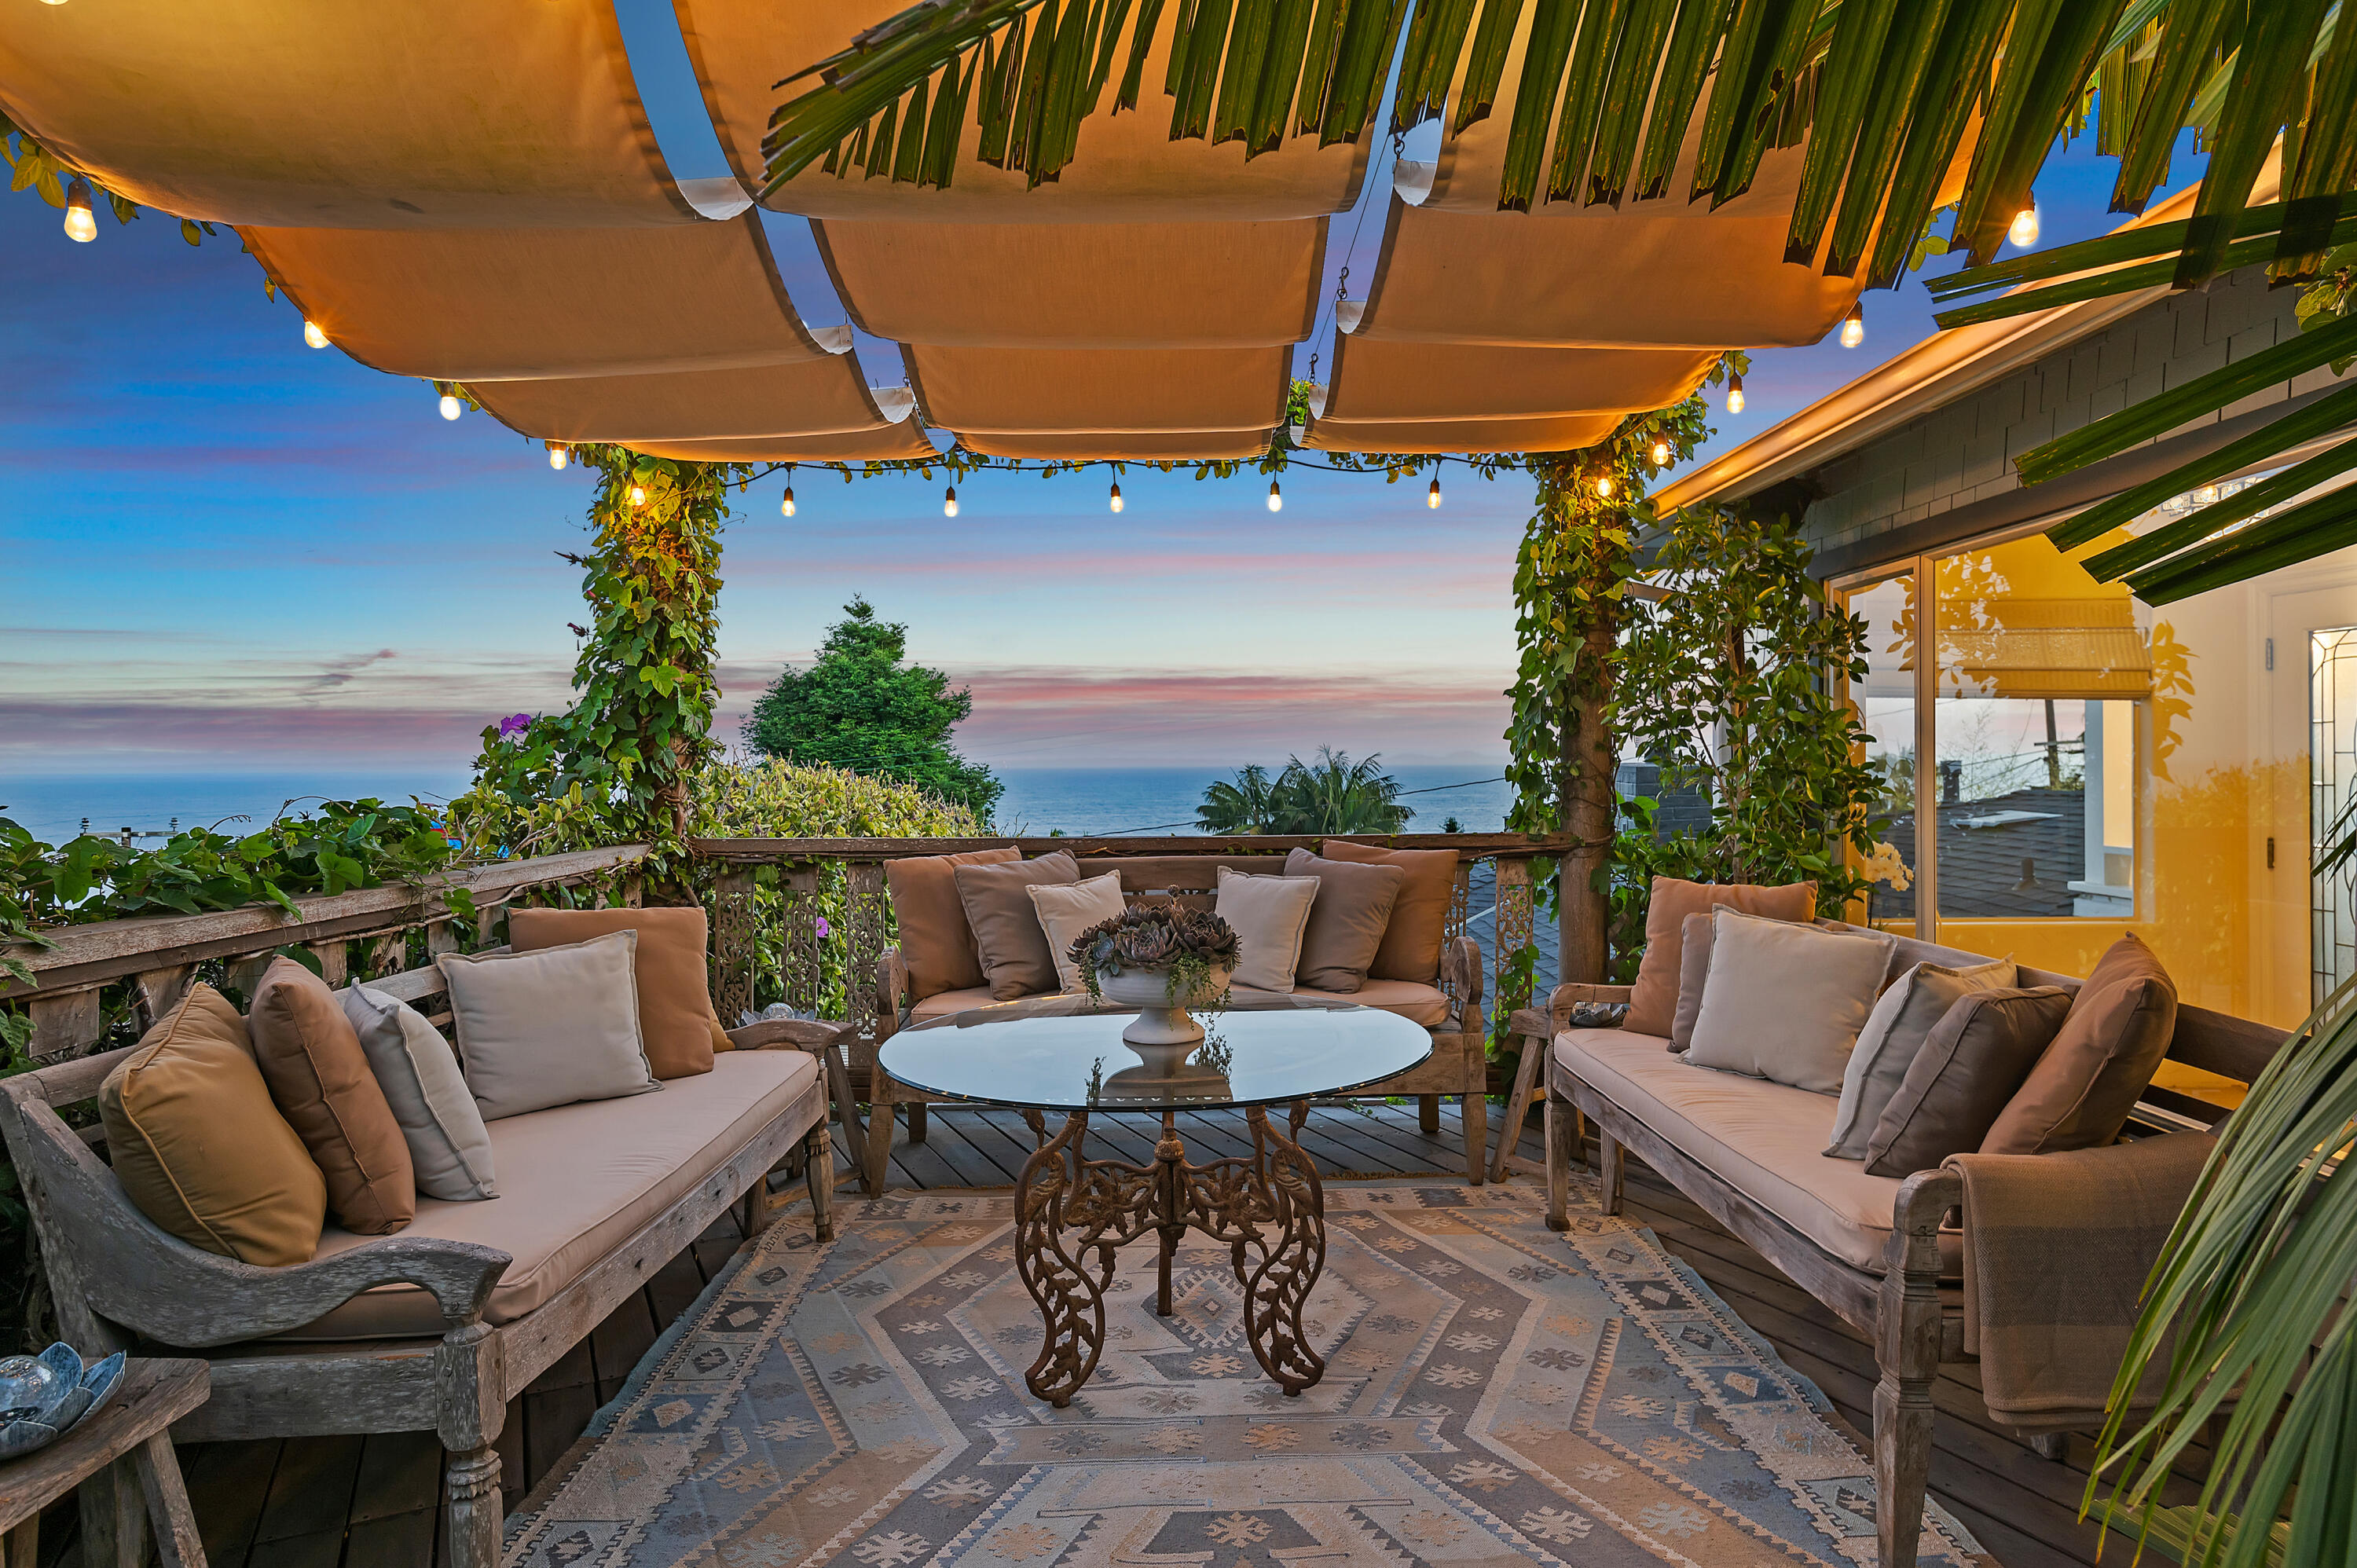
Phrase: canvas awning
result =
(477, 305)
(806, 397)
(425, 114)
(1131, 445)
(1096, 392)
(1379, 380)
(1128, 168)
(903, 439)
(1566, 433)
(1078, 286)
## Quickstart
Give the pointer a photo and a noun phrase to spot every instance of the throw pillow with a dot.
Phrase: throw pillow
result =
(1269, 915)
(1419, 923)
(1910, 1009)
(200, 1148)
(1693, 971)
(1347, 919)
(1066, 912)
(1653, 999)
(936, 942)
(1007, 931)
(1971, 1063)
(677, 1021)
(537, 1030)
(1785, 1001)
(320, 1079)
(419, 1074)
(2081, 1091)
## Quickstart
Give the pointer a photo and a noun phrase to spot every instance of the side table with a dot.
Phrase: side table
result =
(130, 1434)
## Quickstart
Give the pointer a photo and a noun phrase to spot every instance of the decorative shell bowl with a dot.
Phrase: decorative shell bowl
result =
(42, 1396)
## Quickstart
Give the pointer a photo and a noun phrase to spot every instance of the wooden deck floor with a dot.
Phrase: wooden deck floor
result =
(368, 1502)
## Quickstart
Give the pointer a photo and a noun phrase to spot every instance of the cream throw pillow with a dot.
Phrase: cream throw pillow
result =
(551, 1026)
(1785, 1001)
(1894, 1032)
(414, 1066)
(1068, 909)
(1269, 915)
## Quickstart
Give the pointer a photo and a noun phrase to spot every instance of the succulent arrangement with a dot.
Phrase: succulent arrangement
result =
(1188, 946)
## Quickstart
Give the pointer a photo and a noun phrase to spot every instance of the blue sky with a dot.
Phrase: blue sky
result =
(226, 551)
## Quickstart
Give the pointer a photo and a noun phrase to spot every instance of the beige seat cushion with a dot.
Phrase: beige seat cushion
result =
(942, 1003)
(1418, 1003)
(1766, 1139)
(576, 1182)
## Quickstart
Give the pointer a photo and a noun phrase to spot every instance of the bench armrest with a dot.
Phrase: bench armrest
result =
(1460, 977)
(891, 992)
(1560, 1002)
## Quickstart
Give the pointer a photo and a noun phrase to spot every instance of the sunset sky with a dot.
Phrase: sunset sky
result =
(225, 550)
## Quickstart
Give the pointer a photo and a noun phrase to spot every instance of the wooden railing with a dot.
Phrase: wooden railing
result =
(98, 976)
(807, 918)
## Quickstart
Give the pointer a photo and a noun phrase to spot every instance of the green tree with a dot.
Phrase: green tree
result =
(1332, 795)
(862, 707)
(1247, 806)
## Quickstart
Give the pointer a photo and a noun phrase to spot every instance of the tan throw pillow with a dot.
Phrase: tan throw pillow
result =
(200, 1148)
(1419, 923)
(936, 942)
(677, 1023)
(1910, 1009)
(1653, 1000)
(1347, 919)
(1007, 931)
(1269, 915)
(1065, 912)
(1971, 1063)
(1785, 1001)
(537, 1030)
(2080, 1093)
(419, 1074)
(319, 1078)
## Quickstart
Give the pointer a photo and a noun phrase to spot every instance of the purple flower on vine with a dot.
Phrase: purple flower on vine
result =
(515, 724)
(824, 931)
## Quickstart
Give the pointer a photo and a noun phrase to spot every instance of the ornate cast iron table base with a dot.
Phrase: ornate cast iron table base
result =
(1066, 1204)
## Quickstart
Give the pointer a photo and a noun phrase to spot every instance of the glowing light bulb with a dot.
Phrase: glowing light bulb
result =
(1604, 486)
(1661, 453)
(1276, 498)
(312, 335)
(949, 501)
(1735, 394)
(1432, 496)
(81, 227)
(638, 495)
(1114, 501)
(451, 407)
(786, 507)
(556, 455)
(2024, 231)
(1853, 331)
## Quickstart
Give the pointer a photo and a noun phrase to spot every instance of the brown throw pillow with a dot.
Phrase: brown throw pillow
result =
(936, 943)
(311, 1057)
(1347, 920)
(677, 1028)
(1969, 1066)
(1653, 1000)
(1693, 969)
(2103, 1059)
(198, 1147)
(1007, 931)
(1419, 923)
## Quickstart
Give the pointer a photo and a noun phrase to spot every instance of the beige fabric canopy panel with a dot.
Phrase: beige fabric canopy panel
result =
(1127, 168)
(1078, 286)
(904, 438)
(1567, 434)
(807, 397)
(1379, 380)
(1172, 446)
(425, 114)
(1099, 391)
(475, 304)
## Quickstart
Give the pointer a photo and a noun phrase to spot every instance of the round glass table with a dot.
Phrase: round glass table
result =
(1066, 1053)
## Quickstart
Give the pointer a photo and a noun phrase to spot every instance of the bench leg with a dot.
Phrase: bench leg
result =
(177, 1545)
(1562, 1148)
(916, 1122)
(1611, 1167)
(818, 1171)
(471, 1480)
(1427, 1113)
(1518, 1104)
(1907, 1347)
(1475, 1116)
(878, 1153)
(2054, 1446)
(114, 1518)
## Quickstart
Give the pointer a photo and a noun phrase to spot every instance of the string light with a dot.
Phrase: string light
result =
(786, 506)
(1276, 498)
(2024, 231)
(1114, 501)
(451, 407)
(1432, 496)
(312, 335)
(81, 227)
(949, 501)
(556, 455)
(638, 495)
(1604, 486)
(1661, 453)
(1853, 328)
(1735, 394)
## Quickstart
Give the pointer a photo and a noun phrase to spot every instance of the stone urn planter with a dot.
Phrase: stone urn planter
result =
(1165, 1030)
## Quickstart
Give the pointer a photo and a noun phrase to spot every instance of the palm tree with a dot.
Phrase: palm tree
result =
(1336, 795)
(1247, 806)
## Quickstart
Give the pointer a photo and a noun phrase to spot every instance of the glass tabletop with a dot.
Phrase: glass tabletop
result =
(1066, 1053)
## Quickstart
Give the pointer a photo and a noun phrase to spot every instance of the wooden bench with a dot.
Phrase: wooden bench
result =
(1908, 1308)
(119, 1281)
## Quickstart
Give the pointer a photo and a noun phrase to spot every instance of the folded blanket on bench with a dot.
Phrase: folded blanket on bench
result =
(2057, 1250)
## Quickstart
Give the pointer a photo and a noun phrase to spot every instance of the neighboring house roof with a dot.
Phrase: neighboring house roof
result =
(2010, 870)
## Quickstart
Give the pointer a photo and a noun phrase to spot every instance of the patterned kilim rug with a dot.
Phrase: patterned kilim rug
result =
(1496, 1394)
